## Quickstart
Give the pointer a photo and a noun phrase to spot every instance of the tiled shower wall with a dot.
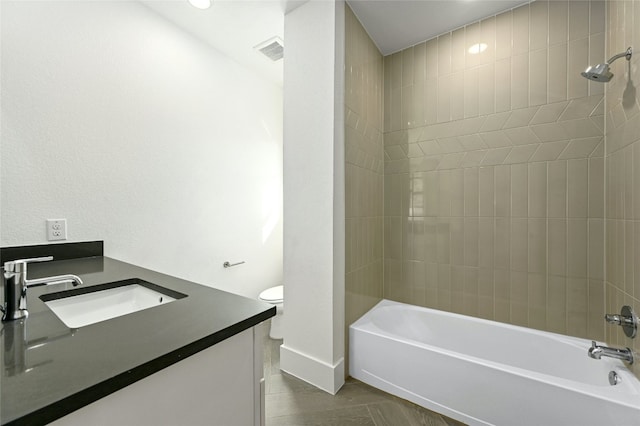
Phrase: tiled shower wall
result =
(623, 170)
(364, 171)
(494, 170)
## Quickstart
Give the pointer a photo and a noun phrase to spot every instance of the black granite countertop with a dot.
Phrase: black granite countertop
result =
(50, 370)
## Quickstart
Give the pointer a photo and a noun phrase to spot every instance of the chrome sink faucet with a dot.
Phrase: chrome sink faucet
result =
(597, 352)
(16, 284)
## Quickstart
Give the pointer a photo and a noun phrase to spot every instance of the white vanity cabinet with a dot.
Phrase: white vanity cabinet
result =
(221, 385)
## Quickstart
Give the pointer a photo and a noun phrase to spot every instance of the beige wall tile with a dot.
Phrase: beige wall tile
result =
(537, 245)
(519, 190)
(396, 109)
(407, 67)
(636, 19)
(577, 243)
(471, 192)
(486, 242)
(431, 58)
(471, 38)
(457, 50)
(407, 117)
(577, 184)
(444, 241)
(470, 295)
(502, 185)
(538, 190)
(596, 249)
(537, 301)
(519, 244)
(502, 243)
(557, 81)
(629, 256)
(471, 92)
(486, 191)
(444, 54)
(488, 36)
(396, 70)
(597, 17)
(520, 81)
(521, 30)
(595, 310)
(502, 288)
(486, 89)
(557, 304)
(503, 85)
(538, 77)
(557, 247)
(431, 101)
(578, 56)
(558, 21)
(457, 192)
(596, 188)
(578, 19)
(538, 35)
(557, 189)
(444, 97)
(636, 179)
(549, 151)
(504, 40)
(457, 95)
(471, 241)
(519, 298)
(577, 305)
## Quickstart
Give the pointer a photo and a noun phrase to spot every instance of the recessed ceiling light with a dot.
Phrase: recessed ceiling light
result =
(200, 4)
(477, 48)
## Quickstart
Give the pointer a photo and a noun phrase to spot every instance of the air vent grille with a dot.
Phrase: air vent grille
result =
(272, 48)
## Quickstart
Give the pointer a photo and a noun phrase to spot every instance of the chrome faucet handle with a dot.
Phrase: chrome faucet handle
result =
(12, 265)
(627, 319)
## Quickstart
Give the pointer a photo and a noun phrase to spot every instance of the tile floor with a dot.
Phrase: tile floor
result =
(292, 402)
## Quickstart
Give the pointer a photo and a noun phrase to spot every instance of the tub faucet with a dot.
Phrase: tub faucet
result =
(597, 352)
(16, 283)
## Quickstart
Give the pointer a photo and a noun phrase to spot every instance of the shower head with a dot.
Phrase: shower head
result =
(601, 72)
(598, 73)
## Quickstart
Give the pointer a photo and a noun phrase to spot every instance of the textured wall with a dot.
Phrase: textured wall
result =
(623, 169)
(494, 170)
(364, 163)
(142, 136)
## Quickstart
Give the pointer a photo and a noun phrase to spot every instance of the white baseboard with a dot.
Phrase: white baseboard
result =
(320, 374)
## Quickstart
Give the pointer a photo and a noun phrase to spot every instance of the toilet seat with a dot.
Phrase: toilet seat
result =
(273, 295)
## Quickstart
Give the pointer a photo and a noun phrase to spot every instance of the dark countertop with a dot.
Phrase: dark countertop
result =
(50, 370)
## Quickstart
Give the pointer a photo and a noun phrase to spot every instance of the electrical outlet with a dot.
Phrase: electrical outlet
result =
(56, 229)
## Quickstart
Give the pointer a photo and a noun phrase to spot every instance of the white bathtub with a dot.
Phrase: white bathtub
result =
(488, 373)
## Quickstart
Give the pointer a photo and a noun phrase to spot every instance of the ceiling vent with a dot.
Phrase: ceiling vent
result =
(272, 48)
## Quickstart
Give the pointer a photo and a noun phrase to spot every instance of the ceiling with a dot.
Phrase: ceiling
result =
(396, 24)
(234, 27)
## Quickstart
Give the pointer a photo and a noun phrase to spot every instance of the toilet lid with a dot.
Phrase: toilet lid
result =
(273, 294)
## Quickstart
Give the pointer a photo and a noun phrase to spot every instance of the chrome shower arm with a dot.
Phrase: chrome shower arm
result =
(625, 54)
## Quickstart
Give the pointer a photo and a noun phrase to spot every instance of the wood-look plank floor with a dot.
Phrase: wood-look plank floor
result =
(292, 402)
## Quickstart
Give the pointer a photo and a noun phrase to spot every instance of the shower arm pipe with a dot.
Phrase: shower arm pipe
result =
(626, 54)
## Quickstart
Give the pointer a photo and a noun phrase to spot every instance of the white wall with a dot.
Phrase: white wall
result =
(141, 136)
(314, 194)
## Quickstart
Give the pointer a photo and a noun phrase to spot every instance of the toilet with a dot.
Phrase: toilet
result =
(275, 296)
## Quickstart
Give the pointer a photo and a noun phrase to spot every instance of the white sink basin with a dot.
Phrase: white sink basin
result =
(95, 306)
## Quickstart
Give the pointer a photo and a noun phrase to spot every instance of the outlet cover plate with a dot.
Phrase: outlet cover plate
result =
(56, 229)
